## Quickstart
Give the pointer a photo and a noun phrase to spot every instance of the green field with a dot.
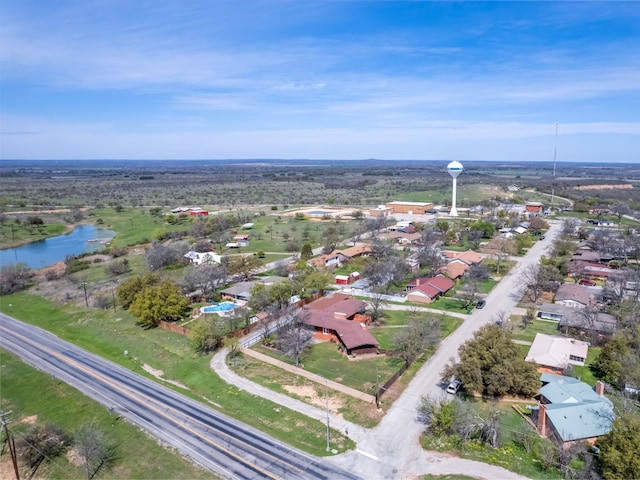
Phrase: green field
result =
(36, 397)
(109, 334)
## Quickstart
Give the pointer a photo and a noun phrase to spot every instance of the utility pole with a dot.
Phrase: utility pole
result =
(86, 299)
(113, 297)
(326, 383)
(10, 442)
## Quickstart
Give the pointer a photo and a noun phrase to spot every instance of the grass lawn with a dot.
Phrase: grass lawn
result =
(296, 386)
(536, 326)
(135, 225)
(109, 334)
(395, 319)
(324, 359)
(443, 303)
(586, 373)
(137, 455)
(12, 234)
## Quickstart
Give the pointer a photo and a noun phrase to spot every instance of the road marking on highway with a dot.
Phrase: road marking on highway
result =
(132, 394)
(372, 457)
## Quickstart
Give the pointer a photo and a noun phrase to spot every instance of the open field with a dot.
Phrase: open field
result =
(109, 335)
(137, 455)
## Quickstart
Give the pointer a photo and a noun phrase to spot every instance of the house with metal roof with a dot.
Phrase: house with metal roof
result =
(569, 410)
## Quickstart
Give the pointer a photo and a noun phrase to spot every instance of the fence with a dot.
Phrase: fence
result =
(391, 381)
(173, 328)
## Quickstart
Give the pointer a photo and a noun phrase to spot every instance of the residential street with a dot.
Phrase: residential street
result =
(392, 450)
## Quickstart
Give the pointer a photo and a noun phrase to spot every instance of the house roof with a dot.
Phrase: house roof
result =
(572, 291)
(431, 287)
(240, 289)
(469, 257)
(605, 322)
(426, 289)
(355, 251)
(575, 410)
(352, 334)
(454, 269)
(337, 303)
(552, 351)
(411, 237)
(586, 255)
(322, 260)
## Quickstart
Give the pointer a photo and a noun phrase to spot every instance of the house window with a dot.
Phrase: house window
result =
(576, 359)
(325, 330)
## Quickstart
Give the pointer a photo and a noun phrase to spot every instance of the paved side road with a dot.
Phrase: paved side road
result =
(392, 449)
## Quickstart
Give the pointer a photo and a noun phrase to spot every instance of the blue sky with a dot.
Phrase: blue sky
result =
(320, 80)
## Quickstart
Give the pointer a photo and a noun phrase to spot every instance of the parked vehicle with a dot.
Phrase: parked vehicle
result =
(454, 386)
(588, 283)
(481, 303)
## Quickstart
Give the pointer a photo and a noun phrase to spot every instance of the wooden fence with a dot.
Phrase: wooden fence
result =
(173, 328)
(391, 380)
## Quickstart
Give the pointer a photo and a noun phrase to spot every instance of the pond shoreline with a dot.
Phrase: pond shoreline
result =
(21, 243)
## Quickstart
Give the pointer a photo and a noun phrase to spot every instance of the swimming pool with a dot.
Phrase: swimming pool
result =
(318, 212)
(218, 307)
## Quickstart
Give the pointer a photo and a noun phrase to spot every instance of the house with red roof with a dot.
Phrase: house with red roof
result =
(341, 318)
(426, 290)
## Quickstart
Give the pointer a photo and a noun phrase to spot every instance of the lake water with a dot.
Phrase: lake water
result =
(55, 249)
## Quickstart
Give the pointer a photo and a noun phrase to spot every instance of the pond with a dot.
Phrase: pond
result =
(83, 239)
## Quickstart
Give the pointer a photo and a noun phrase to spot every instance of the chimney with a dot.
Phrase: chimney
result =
(542, 420)
(341, 315)
(600, 387)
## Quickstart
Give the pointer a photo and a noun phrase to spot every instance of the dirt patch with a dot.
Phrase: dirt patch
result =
(309, 393)
(623, 186)
(159, 375)
(74, 457)
(30, 420)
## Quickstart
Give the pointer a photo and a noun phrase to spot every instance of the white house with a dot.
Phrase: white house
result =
(197, 258)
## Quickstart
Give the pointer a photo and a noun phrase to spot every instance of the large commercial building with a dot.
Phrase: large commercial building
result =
(412, 208)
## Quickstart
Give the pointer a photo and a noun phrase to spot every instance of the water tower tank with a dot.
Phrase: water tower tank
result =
(454, 169)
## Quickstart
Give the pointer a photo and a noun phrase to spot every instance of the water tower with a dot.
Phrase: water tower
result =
(454, 169)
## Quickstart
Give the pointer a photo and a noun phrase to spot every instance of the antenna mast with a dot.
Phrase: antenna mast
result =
(553, 181)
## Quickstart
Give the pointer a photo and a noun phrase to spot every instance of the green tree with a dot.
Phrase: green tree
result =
(127, 290)
(208, 334)
(306, 252)
(316, 281)
(491, 364)
(158, 302)
(609, 365)
(485, 227)
(619, 448)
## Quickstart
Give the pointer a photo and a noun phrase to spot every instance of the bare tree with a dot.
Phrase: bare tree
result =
(94, 450)
(294, 337)
(14, 277)
(537, 279)
(376, 303)
(468, 294)
(417, 336)
(570, 226)
(40, 443)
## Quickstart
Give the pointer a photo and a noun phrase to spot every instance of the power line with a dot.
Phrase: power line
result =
(10, 442)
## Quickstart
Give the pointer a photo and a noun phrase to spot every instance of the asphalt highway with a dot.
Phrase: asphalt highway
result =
(219, 443)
